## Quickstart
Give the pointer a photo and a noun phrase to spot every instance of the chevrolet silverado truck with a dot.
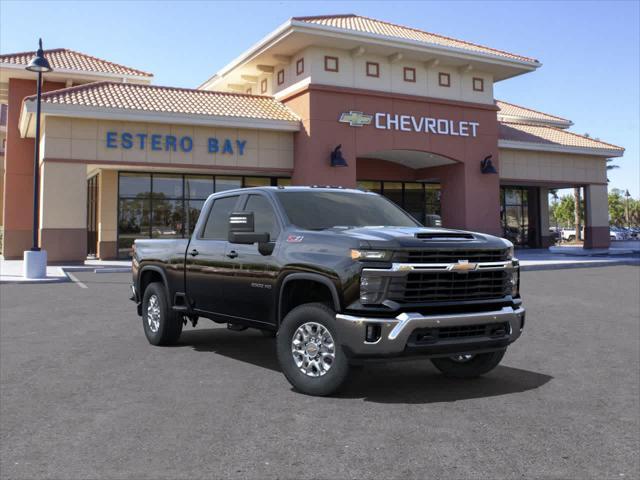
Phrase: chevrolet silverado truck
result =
(339, 277)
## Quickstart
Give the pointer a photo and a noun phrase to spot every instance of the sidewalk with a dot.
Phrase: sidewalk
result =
(534, 259)
(11, 270)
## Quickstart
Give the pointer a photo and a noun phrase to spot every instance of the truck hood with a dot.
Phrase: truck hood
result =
(417, 237)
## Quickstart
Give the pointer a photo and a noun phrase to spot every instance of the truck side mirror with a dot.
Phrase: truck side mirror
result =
(241, 229)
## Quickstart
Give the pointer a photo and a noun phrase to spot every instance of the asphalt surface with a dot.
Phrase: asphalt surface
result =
(83, 395)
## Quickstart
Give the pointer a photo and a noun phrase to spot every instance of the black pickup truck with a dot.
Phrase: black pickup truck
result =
(338, 276)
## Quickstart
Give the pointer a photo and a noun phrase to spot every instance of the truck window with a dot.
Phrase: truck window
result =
(264, 216)
(217, 226)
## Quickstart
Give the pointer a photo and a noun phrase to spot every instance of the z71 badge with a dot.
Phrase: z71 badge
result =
(295, 238)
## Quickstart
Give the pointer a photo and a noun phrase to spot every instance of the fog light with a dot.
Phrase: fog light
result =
(373, 333)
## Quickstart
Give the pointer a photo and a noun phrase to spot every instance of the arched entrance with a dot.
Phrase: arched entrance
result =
(409, 178)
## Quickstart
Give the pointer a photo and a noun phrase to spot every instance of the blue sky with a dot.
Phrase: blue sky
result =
(589, 50)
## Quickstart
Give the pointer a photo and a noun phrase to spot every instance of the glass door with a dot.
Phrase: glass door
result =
(92, 216)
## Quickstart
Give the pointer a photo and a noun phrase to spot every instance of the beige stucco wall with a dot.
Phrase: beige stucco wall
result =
(63, 195)
(85, 140)
(352, 73)
(552, 167)
(108, 206)
(597, 211)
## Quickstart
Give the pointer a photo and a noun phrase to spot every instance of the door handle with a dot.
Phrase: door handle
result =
(232, 254)
(194, 253)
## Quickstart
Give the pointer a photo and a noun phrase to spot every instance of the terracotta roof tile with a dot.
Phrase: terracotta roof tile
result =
(65, 59)
(370, 25)
(153, 98)
(513, 110)
(517, 132)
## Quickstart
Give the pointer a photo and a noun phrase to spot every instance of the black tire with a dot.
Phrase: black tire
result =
(476, 366)
(336, 375)
(571, 238)
(168, 328)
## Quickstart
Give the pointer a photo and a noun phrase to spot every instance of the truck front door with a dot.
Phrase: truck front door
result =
(252, 290)
(208, 268)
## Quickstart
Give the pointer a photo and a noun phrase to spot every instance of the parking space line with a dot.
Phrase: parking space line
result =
(75, 280)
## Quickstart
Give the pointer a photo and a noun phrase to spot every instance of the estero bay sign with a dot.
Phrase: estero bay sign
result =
(171, 143)
(411, 123)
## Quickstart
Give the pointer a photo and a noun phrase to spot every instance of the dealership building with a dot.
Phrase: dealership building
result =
(332, 100)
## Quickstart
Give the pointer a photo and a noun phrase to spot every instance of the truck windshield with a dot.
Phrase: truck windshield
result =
(321, 210)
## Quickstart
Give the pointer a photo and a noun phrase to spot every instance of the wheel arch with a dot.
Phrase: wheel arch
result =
(147, 275)
(305, 277)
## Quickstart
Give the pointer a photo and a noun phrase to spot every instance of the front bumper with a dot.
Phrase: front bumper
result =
(395, 333)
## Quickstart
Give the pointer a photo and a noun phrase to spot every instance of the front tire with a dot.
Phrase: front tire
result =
(468, 366)
(161, 325)
(309, 350)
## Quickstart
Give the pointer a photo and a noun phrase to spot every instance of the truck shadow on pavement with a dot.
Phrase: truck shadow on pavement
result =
(403, 381)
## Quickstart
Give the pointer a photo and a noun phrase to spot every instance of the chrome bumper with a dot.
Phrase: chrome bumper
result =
(395, 332)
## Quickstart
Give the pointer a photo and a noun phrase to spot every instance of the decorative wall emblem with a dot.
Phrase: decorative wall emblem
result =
(356, 119)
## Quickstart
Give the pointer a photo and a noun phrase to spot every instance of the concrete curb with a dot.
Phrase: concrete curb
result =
(594, 264)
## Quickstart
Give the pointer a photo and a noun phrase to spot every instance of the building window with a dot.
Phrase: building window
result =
(168, 205)
(331, 64)
(248, 91)
(280, 77)
(417, 198)
(409, 74)
(300, 66)
(444, 79)
(478, 84)
(373, 69)
(263, 86)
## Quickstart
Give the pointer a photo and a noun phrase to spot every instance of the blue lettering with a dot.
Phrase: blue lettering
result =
(155, 142)
(186, 144)
(213, 145)
(227, 147)
(142, 137)
(111, 140)
(170, 143)
(126, 140)
(241, 144)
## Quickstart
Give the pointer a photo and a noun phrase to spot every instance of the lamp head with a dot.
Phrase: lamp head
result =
(39, 62)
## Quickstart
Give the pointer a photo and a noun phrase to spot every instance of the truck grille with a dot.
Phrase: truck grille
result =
(450, 286)
(427, 336)
(450, 256)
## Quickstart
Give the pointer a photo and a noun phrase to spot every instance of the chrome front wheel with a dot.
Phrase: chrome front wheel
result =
(153, 313)
(313, 349)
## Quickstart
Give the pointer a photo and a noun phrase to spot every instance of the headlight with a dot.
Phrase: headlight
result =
(372, 289)
(376, 255)
(510, 253)
(515, 282)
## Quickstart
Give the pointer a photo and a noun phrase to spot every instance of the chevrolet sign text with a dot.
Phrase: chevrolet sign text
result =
(438, 126)
(410, 123)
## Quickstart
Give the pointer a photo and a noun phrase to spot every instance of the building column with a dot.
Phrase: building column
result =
(312, 150)
(596, 216)
(469, 200)
(63, 211)
(108, 215)
(546, 239)
(18, 173)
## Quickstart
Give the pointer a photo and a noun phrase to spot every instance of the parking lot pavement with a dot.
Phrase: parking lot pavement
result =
(85, 396)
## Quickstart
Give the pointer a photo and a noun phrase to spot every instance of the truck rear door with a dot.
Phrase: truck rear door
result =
(208, 268)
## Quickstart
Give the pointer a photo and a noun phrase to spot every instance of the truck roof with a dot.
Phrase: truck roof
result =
(295, 189)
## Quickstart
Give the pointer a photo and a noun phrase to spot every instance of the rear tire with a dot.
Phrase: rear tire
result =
(161, 325)
(309, 350)
(472, 367)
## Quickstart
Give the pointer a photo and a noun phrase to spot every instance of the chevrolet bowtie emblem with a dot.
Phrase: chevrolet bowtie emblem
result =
(463, 266)
(355, 119)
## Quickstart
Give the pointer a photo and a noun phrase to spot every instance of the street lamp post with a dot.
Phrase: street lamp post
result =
(35, 260)
(626, 208)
